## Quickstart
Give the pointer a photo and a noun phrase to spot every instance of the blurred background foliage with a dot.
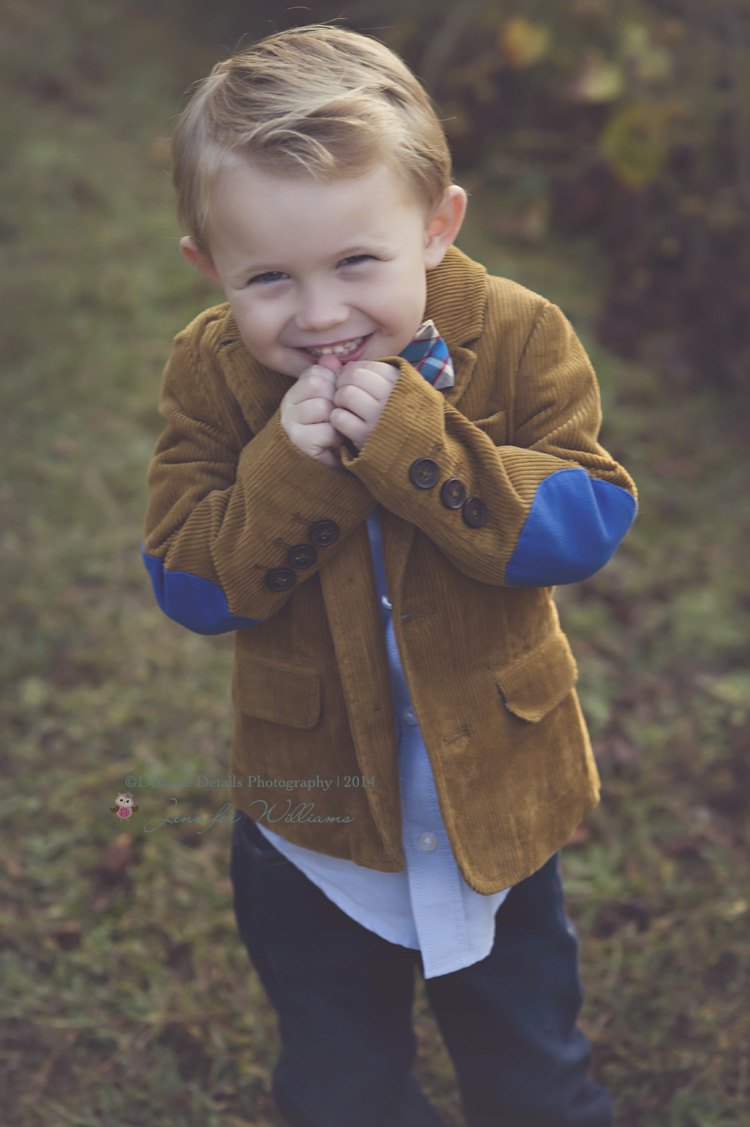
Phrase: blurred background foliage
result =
(604, 145)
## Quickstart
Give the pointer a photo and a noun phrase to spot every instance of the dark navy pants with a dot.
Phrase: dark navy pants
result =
(344, 996)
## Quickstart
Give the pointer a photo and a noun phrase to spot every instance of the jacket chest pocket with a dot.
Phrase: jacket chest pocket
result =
(271, 690)
(536, 683)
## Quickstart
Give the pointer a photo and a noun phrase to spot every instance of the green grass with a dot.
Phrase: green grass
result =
(128, 998)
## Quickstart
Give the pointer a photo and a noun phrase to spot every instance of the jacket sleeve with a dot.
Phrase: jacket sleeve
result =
(235, 521)
(549, 509)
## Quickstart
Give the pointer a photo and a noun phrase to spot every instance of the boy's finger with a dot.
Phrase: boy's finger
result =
(316, 381)
(321, 436)
(331, 362)
(368, 379)
(387, 372)
(350, 426)
(360, 401)
(314, 410)
(322, 375)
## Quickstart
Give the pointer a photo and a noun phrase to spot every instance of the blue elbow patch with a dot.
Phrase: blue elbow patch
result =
(196, 603)
(574, 527)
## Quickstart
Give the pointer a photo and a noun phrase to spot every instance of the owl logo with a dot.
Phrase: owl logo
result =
(124, 806)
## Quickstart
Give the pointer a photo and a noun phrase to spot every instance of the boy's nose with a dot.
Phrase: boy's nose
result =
(319, 311)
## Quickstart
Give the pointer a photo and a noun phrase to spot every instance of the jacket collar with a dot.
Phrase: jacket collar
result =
(456, 302)
(456, 298)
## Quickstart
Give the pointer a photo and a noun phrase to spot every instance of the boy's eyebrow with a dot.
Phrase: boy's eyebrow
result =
(371, 246)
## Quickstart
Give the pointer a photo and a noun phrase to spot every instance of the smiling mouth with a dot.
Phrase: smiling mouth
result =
(341, 349)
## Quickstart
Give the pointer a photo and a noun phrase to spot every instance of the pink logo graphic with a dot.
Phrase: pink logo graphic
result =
(124, 807)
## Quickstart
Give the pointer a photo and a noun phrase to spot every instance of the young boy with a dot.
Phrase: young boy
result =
(377, 463)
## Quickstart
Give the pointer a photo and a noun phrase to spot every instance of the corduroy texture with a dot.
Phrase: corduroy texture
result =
(489, 672)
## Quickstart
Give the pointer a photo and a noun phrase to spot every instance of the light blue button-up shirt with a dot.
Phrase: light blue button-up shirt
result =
(429, 906)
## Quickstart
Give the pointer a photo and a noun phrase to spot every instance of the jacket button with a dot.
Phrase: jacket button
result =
(301, 555)
(474, 512)
(324, 532)
(453, 493)
(424, 473)
(280, 578)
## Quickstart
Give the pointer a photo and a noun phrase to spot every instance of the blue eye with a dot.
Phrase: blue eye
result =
(269, 276)
(353, 259)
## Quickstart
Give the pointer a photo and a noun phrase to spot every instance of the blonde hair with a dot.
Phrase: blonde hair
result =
(319, 100)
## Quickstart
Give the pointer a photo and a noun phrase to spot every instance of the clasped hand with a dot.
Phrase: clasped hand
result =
(329, 402)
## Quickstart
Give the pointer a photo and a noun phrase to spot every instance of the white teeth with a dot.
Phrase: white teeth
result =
(337, 349)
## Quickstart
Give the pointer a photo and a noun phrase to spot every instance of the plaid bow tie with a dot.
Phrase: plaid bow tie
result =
(429, 354)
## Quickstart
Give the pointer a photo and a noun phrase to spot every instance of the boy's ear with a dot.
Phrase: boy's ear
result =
(198, 258)
(441, 230)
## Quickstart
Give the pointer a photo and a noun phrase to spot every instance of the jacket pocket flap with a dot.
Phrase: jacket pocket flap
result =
(283, 694)
(532, 686)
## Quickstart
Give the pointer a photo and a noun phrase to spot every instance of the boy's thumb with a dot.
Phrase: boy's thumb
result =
(329, 361)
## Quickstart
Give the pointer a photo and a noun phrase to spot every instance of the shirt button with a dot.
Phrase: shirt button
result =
(453, 493)
(386, 603)
(474, 512)
(280, 578)
(409, 716)
(301, 555)
(323, 533)
(424, 473)
(427, 841)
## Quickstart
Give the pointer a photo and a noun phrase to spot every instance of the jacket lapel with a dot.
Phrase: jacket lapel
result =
(257, 389)
(456, 301)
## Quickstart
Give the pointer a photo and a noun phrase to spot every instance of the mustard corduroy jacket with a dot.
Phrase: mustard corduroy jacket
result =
(244, 532)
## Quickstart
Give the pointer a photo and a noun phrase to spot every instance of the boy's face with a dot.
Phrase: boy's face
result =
(312, 266)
